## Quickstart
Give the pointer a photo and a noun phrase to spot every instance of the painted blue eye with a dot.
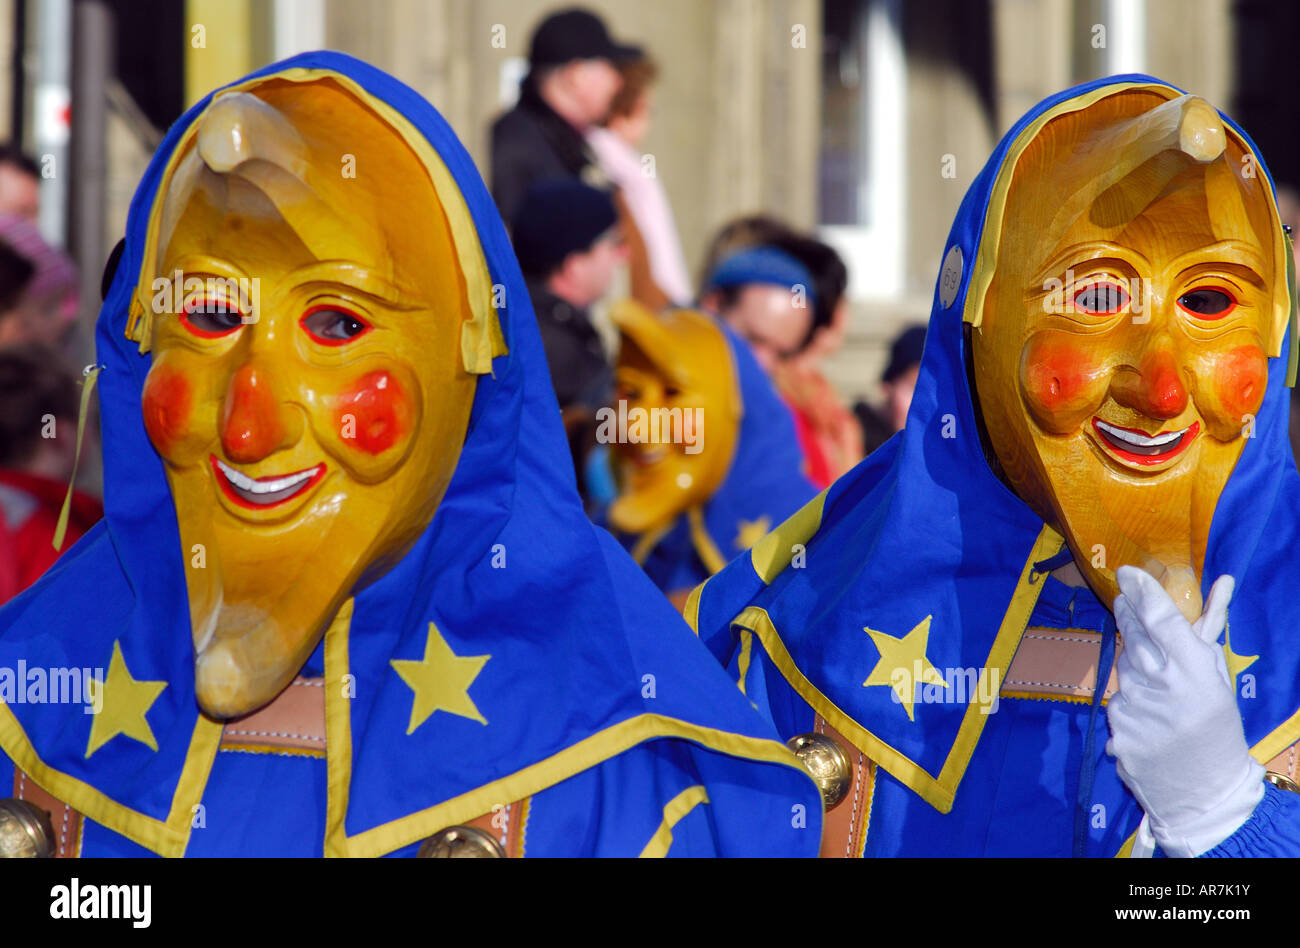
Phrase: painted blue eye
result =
(333, 326)
(1101, 299)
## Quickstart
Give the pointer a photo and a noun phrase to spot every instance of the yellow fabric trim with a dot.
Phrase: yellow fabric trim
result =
(1043, 696)
(574, 759)
(742, 663)
(773, 553)
(1278, 740)
(268, 749)
(338, 733)
(691, 613)
(674, 811)
(88, 386)
(167, 838)
(867, 811)
(481, 339)
(714, 561)
(937, 791)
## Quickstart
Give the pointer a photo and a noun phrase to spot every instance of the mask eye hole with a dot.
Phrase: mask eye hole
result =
(1207, 302)
(331, 325)
(211, 317)
(1101, 299)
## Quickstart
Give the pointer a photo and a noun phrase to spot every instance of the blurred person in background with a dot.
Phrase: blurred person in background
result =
(572, 79)
(44, 312)
(570, 246)
(16, 271)
(897, 383)
(786, 299)
(707, 454)
(658, 267)
(38, 443)
(20, 179)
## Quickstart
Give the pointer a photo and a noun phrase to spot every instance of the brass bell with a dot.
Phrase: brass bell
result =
(1281, 781)
(826, 763)
(25, 831)
(461, 842)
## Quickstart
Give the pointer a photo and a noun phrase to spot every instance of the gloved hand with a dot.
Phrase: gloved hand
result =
(1176, 732)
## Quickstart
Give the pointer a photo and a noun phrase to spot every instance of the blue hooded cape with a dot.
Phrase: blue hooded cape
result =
(923, 530)
(601, 709)
(763, 486)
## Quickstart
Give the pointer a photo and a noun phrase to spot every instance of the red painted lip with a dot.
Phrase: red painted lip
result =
(237, 496)
(1145, 460)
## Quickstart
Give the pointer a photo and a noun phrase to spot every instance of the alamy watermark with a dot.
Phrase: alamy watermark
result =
(957, 686)
(35, 685)
(659, 425)
(178, 293)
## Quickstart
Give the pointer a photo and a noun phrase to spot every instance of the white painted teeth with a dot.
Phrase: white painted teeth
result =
(1141, 440)
(275, 486)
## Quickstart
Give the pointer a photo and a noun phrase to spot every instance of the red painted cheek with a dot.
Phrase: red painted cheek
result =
(374, 413)
(1059, 380)
(167, 403)
(1240, 378)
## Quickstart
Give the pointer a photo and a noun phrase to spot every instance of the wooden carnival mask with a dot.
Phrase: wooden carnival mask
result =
(1121, 347)
(676, 380)
(308, 393)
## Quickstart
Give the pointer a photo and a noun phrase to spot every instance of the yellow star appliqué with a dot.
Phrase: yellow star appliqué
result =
(903, 663)
(440, 680)
(125, 703)
(750, 532)
(1236, 663)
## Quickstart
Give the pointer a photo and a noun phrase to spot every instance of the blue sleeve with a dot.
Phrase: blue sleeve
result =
(1273, 830)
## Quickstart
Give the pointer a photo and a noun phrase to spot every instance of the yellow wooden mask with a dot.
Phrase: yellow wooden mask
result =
(678, 417)
(1121, 344)
(310, 386)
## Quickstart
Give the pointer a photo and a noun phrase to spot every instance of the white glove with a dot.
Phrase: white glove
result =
(1176, 732)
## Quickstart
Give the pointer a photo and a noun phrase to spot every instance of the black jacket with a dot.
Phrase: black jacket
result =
(531, 143)
(581, 375)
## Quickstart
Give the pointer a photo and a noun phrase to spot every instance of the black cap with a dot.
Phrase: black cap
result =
(575, 34)
(905, 352)
(557, 218)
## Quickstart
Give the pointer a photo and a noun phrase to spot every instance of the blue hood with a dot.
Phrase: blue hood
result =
(509, 567)
(924, 528)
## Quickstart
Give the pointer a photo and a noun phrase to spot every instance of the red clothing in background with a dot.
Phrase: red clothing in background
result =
(829, 434)
(29, 513)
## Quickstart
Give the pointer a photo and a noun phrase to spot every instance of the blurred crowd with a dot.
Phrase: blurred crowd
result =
(38, 386)
(584, 205)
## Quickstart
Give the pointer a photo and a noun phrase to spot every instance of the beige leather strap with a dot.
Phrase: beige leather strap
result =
(844, 827)
(507, 825)
(1058, 663)
(1285, 763)
(294, 723)
(65, 820)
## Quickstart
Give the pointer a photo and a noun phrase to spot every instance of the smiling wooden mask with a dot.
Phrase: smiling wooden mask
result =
(677, 380)
(1121, 344)
(310, 394)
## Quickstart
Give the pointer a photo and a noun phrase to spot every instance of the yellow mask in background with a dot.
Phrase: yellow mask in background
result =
(308, 398)
(675, 426)
(1120, 351)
